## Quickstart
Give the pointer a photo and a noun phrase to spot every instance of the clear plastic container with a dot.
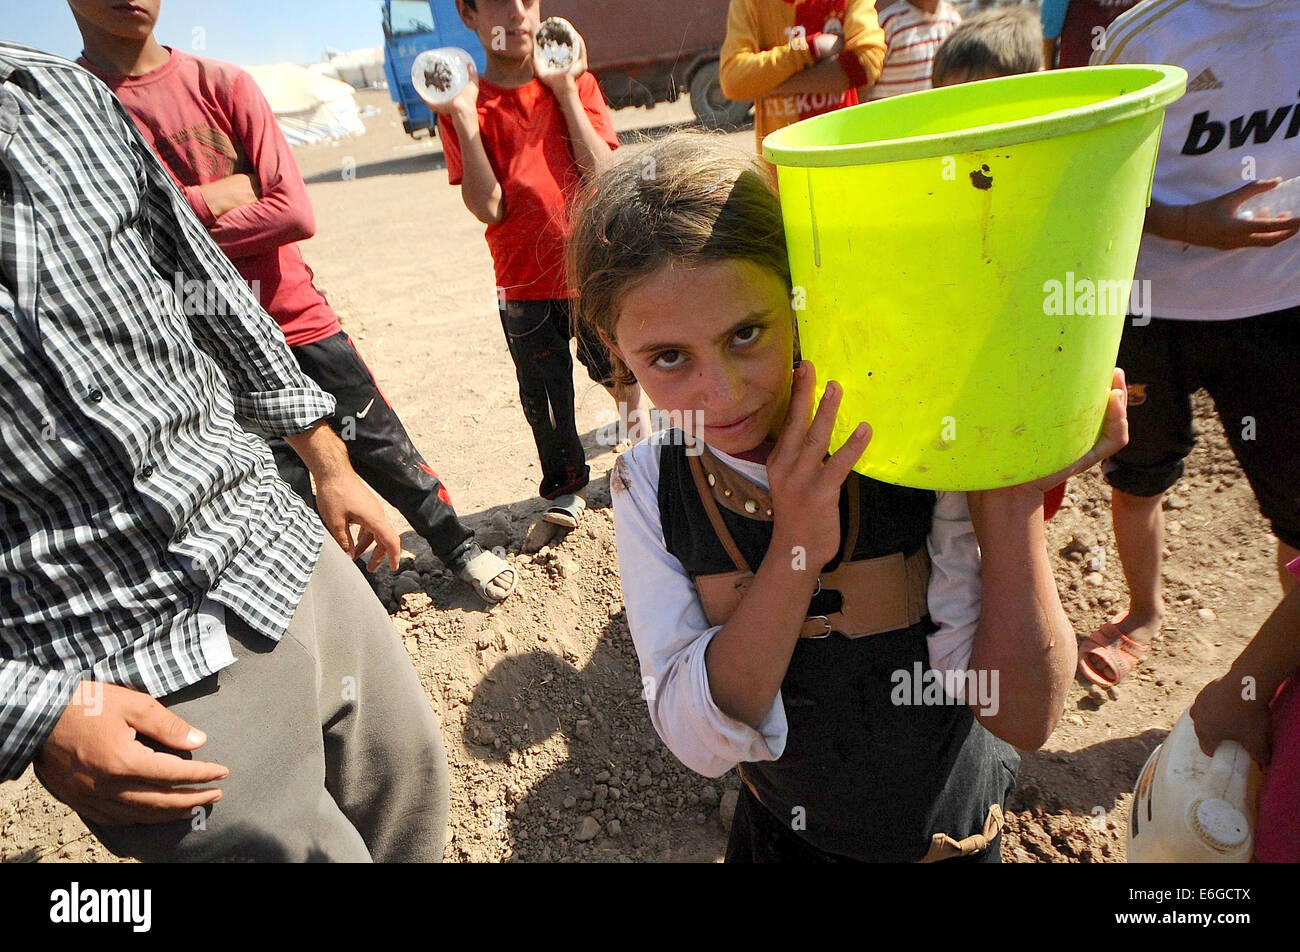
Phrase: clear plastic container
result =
(1189, 808)
(440, 75)
(1282, 201)
(555, 46)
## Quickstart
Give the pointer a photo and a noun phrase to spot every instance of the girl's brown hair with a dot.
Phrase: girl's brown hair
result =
(688, 197)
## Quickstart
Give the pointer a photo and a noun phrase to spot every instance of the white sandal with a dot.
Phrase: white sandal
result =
(565, 511)
(484, 568)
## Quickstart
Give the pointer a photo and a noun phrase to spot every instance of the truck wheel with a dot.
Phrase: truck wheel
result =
(714, 110)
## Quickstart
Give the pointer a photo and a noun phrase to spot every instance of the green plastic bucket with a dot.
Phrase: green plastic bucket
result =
(962, 261)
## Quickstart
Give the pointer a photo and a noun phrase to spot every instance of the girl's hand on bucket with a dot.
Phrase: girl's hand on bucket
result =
(1215, 224)
(1113, 438)
(805, 482)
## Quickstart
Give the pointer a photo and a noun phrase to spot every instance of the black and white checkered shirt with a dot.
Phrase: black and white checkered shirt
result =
(131, 352)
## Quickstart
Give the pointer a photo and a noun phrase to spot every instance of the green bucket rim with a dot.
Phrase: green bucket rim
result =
(1170, 85)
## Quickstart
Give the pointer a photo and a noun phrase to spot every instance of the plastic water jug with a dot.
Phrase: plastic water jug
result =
(1280, 201)
(439, 75)
(1189, 808)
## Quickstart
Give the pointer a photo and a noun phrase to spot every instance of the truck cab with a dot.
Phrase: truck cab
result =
(410, 28)
(640, 54)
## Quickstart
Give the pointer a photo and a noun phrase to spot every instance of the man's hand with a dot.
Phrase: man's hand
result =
(1214, 223)
(227, 194)
(343, 499)
(94, 763)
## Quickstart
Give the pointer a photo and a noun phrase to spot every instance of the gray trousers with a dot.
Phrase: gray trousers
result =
(334, 752)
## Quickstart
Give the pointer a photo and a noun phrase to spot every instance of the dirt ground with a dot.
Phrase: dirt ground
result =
(552, 752)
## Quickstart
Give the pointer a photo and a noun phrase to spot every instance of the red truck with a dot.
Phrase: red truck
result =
(642, 52)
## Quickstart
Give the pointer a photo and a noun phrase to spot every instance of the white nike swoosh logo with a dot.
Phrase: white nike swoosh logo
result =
(362, 414)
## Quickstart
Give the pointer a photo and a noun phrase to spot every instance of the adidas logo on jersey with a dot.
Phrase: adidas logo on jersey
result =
(1260, 126)
(1204, 80)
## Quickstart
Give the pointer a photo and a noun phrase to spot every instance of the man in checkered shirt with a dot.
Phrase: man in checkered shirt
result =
(162, 591)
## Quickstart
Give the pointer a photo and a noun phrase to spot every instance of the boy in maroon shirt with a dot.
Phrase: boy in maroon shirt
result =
(216, 134)
(519, 146)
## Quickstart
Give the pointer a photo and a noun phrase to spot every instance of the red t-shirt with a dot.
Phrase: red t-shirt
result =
(207, 120)
(527, 143)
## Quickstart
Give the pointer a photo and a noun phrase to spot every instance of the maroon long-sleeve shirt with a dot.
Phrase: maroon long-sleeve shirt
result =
(207, 120)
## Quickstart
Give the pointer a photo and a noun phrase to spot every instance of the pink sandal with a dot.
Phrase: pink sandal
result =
(1110, 645)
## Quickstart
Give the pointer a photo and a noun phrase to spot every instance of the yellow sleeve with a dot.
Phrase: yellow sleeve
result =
(748, 70)
(864, 38)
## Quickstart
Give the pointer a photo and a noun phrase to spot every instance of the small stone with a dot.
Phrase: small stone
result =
(1206, 614)
(602, 776)
(615, 793)
(709, 796)
(588, 829)
(1094, 578)
(613, 828)
(644, 780)
(407, 583)
(582, 730)
(486, 734)
(566, 568)
(1175, 501)
(1097, 694)
(1081, 542)
(600, 794)
(570, 802)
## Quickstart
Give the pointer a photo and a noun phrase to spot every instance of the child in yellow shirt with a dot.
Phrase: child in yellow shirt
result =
(800, 59)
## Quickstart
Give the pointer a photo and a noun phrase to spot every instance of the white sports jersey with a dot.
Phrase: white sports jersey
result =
(1239, 121)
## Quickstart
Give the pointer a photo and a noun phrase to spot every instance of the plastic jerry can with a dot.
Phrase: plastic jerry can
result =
(1189, 808)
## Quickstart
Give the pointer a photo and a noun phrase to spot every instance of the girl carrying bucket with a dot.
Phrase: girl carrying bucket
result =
(837, 639)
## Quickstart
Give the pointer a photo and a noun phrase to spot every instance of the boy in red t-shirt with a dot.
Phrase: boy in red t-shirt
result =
(519, 146)
(216, 134)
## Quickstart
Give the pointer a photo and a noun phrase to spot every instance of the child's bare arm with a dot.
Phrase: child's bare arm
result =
(1023, 632)
(1214, 223)
(748, 658)
(590, 150)
(1236, 706)
(479, 186)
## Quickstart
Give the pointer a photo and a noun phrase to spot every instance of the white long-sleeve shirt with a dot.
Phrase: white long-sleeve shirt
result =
(671, 632)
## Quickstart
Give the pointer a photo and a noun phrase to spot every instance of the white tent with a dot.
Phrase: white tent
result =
(360, 68)
(308, 106)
